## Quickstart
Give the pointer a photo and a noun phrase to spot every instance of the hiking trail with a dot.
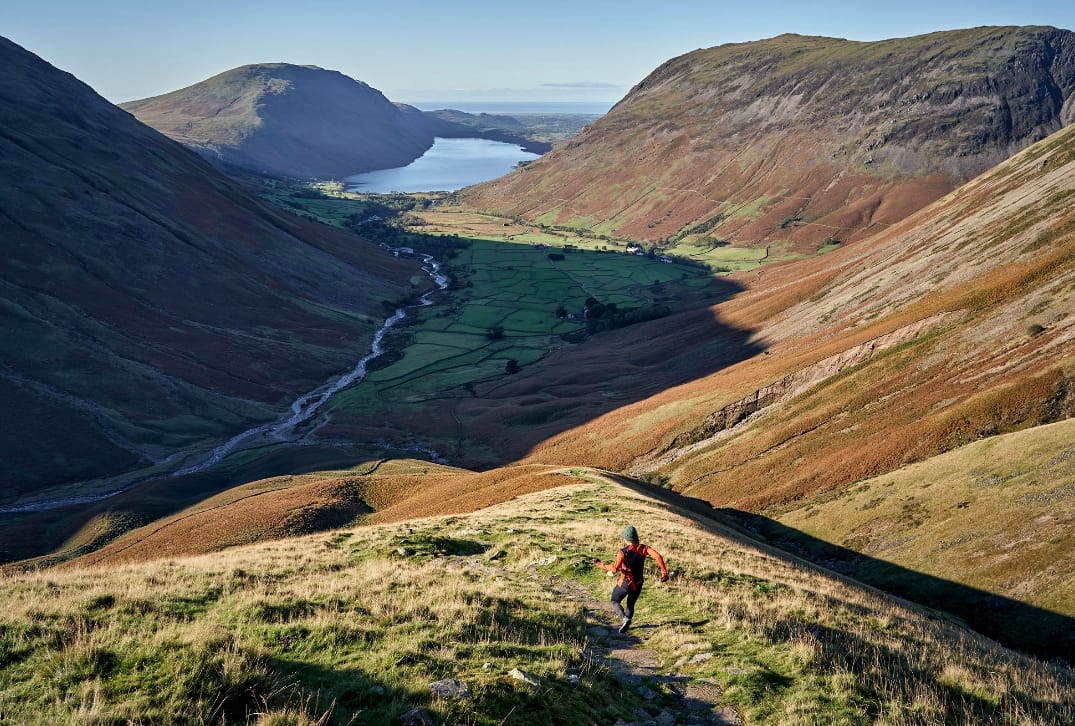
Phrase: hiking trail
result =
(694, 701)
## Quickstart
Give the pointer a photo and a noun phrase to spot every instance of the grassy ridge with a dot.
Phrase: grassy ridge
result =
(997, 514)
(353, 626)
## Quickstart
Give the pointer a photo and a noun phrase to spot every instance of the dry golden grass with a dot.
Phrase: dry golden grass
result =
(294, 505)
(351, 626)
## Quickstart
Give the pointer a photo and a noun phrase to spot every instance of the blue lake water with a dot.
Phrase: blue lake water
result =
(449, 164)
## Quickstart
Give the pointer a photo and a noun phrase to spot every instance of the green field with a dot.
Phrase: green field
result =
(504, 306)
(696, 247)
(517, 294)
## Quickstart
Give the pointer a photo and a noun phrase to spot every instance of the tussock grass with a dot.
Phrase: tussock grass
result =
(353, 625)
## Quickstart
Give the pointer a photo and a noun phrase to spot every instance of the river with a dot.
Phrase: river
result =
(448, 165)
(301, 410)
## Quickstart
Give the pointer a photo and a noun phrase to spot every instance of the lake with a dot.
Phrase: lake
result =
(448, 165)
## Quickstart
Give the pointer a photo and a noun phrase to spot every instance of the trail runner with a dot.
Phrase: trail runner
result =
(630, 564)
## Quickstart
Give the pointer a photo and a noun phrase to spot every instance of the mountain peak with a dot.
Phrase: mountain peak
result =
(288, 120)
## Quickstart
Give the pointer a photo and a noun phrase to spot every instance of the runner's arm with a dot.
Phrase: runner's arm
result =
(650, 552)
(614, 567)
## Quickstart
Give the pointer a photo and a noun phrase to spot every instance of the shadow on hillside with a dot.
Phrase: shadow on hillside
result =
(1026, 628)
(477, 427)
(1020, 626)
(511, 414)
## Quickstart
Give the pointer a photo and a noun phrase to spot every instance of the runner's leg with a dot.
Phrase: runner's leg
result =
(618, 593)
(632, 598)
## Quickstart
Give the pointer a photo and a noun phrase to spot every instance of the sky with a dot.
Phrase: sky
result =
(453, 50)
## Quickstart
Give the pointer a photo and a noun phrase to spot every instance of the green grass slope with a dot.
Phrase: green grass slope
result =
(997, 515)
(357, 625)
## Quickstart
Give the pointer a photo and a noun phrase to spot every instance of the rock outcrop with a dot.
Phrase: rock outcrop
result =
(737, 412)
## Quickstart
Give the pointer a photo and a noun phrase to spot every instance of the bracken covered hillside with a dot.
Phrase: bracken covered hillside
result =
(797, 139)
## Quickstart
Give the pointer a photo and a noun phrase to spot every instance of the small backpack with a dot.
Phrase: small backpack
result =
(634, 566)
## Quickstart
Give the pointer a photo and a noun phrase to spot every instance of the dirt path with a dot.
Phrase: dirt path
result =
(676, 698)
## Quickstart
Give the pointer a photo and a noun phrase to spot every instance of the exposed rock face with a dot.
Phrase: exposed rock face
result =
(735, 413)
(288, 120)
(796, 139)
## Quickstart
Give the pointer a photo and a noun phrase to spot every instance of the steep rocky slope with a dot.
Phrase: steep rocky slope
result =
(796, 139)
(288, 120)
(148, 303)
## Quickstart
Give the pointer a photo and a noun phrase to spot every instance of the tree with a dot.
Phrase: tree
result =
(495, 333)
(511, 367)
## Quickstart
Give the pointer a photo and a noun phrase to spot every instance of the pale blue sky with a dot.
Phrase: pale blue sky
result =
(540, 50)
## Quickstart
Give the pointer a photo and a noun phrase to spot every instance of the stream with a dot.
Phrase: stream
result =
(302, 408)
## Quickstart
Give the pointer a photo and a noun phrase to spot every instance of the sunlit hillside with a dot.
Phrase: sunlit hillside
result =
(499, 618)
(789, 141)
(954, 326)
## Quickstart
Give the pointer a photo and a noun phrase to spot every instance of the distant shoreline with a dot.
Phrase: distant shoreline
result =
(510, 107)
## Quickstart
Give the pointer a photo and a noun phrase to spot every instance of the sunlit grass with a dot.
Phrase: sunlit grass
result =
(353, 625)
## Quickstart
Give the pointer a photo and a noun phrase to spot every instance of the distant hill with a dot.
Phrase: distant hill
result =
(287, 120)
(792, 140)
(308, 122)
(452, 124)
(148, 302)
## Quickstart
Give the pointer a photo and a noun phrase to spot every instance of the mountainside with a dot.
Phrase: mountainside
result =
(955, 325)
(895, 409)
(793, 140)
(500, 618)
(288, 120)
(148, 303)
(811, 396)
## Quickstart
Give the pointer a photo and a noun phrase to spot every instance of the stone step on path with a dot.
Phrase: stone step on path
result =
(696, 701)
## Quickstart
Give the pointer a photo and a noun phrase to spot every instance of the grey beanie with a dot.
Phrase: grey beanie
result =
(630, 534)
